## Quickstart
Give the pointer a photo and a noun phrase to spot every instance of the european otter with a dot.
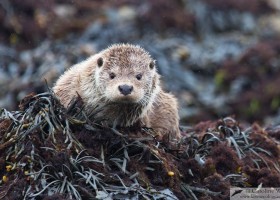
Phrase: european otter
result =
(123, 81)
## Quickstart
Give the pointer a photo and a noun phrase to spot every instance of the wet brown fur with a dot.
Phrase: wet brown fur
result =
(148, 104)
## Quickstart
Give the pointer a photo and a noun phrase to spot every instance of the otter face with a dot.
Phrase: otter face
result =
(125, 74)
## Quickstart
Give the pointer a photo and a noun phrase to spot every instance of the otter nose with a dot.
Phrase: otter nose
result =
(125, 89)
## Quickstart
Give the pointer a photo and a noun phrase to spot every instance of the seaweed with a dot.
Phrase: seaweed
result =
(52, 152)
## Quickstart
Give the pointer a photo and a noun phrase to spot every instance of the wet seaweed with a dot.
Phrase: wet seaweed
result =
(51, 151)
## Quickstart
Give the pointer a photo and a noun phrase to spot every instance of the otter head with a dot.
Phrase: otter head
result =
(126, 74)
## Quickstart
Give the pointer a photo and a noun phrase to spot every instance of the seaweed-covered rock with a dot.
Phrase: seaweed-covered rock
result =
(48, 151)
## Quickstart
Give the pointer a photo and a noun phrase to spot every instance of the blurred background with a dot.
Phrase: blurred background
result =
(218, 57)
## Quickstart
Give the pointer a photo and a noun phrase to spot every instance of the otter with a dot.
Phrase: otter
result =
(123, 81)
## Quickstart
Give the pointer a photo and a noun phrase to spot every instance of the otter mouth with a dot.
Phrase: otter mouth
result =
(124, 101)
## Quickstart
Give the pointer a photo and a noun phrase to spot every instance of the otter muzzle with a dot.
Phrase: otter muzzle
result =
(125, 89)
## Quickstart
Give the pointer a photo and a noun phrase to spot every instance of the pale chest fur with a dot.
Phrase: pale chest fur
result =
(123, 115)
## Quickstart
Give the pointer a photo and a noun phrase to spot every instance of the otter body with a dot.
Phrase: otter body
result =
(123, 82)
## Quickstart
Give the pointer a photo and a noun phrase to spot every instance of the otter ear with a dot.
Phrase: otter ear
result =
(152, 64)
(100, 62)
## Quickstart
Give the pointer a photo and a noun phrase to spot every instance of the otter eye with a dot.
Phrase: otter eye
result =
(152, 65)
(100, 62)
(139, 76)
(112, 75)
